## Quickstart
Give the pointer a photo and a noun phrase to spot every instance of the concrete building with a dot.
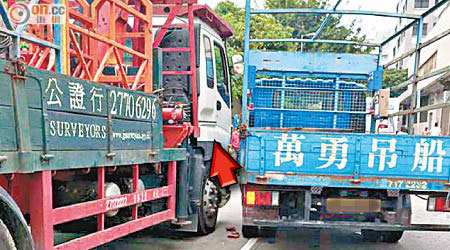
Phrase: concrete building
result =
(435, 90)
(407, 40)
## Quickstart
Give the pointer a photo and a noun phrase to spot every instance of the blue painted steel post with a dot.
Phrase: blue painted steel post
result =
(5, 16)
(246, 63)
(325, 21)
(335, 12)
(336, 102)
(58, 40)
(413, 101)
(283, 96)
(380, 50)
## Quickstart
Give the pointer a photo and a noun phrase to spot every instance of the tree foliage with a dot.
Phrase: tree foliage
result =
(307, 24)
(262, 27)
(393, 77)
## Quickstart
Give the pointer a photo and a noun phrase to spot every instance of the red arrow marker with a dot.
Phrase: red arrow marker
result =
(223, 166)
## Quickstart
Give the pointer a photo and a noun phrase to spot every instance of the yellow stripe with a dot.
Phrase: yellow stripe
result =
(64, 41)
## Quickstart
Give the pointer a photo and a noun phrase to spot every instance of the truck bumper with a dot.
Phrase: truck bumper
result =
(299, 207)
(294, 225)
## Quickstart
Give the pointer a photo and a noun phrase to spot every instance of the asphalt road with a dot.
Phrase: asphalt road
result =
(230, 215)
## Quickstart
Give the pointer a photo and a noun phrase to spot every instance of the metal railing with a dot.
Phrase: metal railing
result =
(417, 20)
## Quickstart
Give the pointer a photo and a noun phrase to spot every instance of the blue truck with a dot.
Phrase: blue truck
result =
(309, 148)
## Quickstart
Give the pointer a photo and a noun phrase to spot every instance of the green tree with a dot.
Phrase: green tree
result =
(393, 77)
(286, 26)
(307, 24)
(262, 26)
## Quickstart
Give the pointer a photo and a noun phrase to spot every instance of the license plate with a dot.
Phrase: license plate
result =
(343, 205)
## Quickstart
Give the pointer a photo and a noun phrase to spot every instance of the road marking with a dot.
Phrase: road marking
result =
(250, 243)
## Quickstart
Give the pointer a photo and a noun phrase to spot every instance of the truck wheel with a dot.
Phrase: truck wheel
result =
(392, 236)
(267, 232)
(6, 239)
(370, 235)
(250, 231)
(209, 207)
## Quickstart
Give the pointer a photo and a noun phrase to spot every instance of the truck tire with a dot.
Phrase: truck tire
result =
(208, 209)
(370, 235)
(392, 236)
(267, 232)
(6, 239)
(14, 230)
(384, 236)
(250, 231)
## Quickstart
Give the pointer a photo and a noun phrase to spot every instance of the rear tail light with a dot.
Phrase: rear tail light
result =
(250, 198)
(437, 204)
(262, 198)
(275, 199)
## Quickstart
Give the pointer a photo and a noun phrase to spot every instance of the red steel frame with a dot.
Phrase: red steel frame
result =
(177, 8)
(44, 217)
(98, 43)
(82, 44)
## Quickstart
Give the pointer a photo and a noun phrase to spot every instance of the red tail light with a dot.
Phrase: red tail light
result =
(437, 204)
(261, 198)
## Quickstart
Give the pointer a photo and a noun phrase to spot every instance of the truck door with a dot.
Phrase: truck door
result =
(223, 100)
(206, 101)
(214, 105)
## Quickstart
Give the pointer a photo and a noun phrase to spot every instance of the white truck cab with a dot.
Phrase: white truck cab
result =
(198, 213)
(214, 98)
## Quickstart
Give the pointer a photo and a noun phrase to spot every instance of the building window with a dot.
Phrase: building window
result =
(428, 66)
(421, 3)
(424, 30)
(424, 101)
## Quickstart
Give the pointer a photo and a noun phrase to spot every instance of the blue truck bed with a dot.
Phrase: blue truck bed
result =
(326, 92)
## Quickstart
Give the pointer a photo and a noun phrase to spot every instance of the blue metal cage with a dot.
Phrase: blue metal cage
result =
(308, 103)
